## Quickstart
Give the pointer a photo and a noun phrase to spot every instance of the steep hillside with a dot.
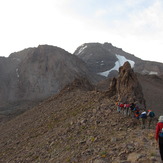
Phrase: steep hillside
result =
(105, 59)
(37, 73)
(76, 125)
(152, 86)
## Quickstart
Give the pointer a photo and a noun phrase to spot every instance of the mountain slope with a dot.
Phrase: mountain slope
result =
(152, 90)
(76, 125)
(37, 73)
(105, 59)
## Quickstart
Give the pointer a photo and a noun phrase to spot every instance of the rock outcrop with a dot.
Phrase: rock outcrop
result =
(126, 88)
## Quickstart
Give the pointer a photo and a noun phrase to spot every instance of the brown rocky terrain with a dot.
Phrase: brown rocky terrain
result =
(76, 126)
(79, 124)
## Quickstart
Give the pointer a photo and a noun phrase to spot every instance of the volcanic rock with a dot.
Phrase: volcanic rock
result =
(126, 87)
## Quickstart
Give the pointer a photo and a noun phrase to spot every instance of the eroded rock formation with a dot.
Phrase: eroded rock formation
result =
(126, 87)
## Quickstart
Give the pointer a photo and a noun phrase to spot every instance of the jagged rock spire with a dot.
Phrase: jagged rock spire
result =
(126, 87)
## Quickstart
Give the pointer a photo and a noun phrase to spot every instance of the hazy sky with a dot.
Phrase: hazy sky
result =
(136, 26)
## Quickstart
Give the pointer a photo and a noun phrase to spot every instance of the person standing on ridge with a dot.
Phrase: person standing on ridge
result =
(150, 118)
(132, 106)
(159, 135)
(143, 117)
(118, 107)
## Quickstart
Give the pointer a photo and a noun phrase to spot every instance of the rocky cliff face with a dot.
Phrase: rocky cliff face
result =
(36, 73)
(126, 87)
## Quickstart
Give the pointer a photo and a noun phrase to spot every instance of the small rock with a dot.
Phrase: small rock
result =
(82, 142)
(71, 123)
(133, 157)
(100, 161)
(145, 140)
(83, 121)
(113, 140)
(94, 111)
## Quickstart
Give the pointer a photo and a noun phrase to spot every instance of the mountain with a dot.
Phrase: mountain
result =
(105, 59)
(79, 124)
(152, 90)
(34, 74)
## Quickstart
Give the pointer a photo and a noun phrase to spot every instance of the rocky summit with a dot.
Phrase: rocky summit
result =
(79, 124)
(105, 59)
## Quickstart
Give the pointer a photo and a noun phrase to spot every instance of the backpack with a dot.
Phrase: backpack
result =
(127, 105)
(161, 133)
(121, 105)
(151, 114)
(143, 116)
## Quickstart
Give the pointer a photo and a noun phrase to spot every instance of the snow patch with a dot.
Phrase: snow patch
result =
(17, 59)
(153, 73)
(119, 63)
(149, 72)
(17, 73)
(81, 49)
(102, 63)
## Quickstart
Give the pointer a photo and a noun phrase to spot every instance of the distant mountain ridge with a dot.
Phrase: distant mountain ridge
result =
(105, 59)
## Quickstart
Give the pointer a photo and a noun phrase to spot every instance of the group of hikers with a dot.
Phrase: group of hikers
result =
(133, 110)
(146, 117)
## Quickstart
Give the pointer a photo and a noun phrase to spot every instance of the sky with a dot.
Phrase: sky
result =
(136, 26)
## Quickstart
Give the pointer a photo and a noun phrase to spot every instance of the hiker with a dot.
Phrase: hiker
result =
(122, 107)
(143, 117)
(159, 135)
(127, 109)
(136, 112)
(132, 106)
(118, 106)
(150, 117)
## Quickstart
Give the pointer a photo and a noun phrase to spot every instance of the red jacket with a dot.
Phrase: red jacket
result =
(158, 129)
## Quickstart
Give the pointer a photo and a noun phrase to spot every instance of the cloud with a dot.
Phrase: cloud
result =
(101, 12)
(70, 23)
(141, 22)
(133, 3)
